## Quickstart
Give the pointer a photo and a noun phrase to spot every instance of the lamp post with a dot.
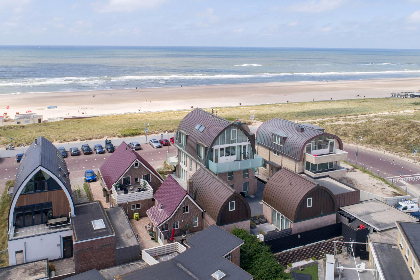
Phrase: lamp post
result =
(145, 129)
(167, 135)
(357, 145)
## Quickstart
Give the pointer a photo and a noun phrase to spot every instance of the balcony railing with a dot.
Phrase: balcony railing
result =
(217, 168)
(337, 171)
(139, 191)
(162, 253)
(338, 155)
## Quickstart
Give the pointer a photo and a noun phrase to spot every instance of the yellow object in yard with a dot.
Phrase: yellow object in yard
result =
(136, 216)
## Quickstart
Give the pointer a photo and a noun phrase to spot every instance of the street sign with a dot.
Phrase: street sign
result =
(415, 151)
(145, 130)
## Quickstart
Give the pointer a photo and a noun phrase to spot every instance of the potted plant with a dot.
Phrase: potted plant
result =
(107, 197)
(104, 191)
(187, 229)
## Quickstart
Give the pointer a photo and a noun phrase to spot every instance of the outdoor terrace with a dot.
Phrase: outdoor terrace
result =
(337, 171)
(316, 157)
(138, 191)
(236, 165)
(16, 233)
(162, 253)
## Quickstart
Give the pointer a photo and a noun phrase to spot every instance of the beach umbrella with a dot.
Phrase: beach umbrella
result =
(7, 107)
(172, 236)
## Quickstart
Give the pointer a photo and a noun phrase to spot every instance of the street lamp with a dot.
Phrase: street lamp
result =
(145, 129)
(357, 145)
(167, 138)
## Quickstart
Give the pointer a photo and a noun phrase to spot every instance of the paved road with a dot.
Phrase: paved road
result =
(78, 164)
(387, 166)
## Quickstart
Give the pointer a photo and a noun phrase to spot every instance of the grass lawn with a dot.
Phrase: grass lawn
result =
(4, 219)
(312, 270)
(389, 123)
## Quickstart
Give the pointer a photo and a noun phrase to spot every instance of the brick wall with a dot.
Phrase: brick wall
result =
(314, 223)
(94, 254)
(186, 218)
(317, 250)
(243, 224)
(138, 172)
(238, 181)
(281, 160)
(207, 221)
(268, 213)
(236, 256)
(144, 206)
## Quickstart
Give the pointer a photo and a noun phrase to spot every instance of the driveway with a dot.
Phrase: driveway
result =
(255, 203)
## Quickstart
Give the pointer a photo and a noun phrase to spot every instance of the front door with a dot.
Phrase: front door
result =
(67, 247)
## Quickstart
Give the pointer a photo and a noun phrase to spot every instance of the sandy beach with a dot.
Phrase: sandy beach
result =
(93, 103)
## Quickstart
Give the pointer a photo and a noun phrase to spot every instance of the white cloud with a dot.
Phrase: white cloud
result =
(208, 18)
(414, 17)
(16, 5)
(325, 29)
(316, 6)
(126, 5)
(238, 30)
(293, 23)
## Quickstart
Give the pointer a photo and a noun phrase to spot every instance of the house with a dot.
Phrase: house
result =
(302, 148)
(41, 206)
(210, 254)
(21, 119)
(131, 180)
(174, 209)
(225, 148)
(223, 206)
(291, 201)
(409, 246)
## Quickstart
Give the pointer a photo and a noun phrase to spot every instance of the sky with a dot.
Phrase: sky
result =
(387, 24)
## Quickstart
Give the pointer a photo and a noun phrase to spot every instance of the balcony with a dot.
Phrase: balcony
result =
(139, 191)
(217, 168)
(162, 253)
(16, 233)
(171, 160)
(316, 158)
(337, 172)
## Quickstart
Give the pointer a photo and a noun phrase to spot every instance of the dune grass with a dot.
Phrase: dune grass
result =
(395, 128)
(4, 218)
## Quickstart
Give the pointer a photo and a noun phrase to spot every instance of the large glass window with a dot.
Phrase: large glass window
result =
(316, 168)
(31, 215)
(321, 143)
(279, 221)
(40, 182)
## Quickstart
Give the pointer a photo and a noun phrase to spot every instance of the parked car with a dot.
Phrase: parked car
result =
(109, 148)
(90, 176)
(172, 139)
(19, 157)
(10, 147)
(107, 142)
(164, 142)
(134, 145)
(86, 150)
(63, 152)
(74, 151)
(155, 143)
(99, 149)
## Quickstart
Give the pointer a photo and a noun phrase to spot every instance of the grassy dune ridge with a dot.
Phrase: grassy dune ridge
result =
(390, 123)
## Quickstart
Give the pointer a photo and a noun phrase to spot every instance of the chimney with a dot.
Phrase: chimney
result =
(190, 187)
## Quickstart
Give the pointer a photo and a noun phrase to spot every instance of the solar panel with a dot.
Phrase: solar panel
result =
(201, 129)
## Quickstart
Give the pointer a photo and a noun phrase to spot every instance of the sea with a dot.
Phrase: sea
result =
(32, 69)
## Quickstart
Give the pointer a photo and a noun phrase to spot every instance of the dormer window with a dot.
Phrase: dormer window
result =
(136, 164)
(278, 140)
(200, 151)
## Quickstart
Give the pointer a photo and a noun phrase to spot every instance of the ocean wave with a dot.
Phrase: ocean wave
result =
(162, 79)
(247, 65)
(381, 63)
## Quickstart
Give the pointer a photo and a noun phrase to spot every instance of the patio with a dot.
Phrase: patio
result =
(144, 238)
(97, 193)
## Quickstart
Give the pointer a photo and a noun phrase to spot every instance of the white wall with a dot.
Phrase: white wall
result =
(45, 246)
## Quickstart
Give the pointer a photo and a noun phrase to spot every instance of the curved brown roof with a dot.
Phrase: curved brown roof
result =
(285, 191)
(296, 139)
(213, 127)
(213, 194)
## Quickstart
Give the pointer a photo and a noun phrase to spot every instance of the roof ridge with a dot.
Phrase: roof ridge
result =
(216, 116)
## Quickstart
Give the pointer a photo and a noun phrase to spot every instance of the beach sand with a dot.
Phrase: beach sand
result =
(93, 103)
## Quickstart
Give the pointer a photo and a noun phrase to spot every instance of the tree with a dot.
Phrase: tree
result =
(257, 258)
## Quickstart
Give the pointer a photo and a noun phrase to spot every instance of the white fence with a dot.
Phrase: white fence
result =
(149, 255)
(132, 196)
(392, 201)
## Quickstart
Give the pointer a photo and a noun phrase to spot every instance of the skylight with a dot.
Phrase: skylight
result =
(98, 224)
(197, 126)
(201, 129)
(218, 275)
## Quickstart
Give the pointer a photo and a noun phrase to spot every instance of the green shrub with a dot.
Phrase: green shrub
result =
(87, 191)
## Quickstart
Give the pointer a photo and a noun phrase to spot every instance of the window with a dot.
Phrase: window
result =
(279, 140)
(245, 186)
(175, 225)
(230, 176)
(181, 138)
(195, 222)
(137, 180)
(407, 253)
(146, 177)
(276, 153)
(222, 152)
(185, 209)
(136, 164)
(309, 202)
(233, 134)
(401, 243)
(245, 173)
(200, 151)
(231, 205)
(126, 181)
(229, 257)
(165, 227)
(413, 265)
(190, 164)
(232, 186)
(135, 206)
(264, 166)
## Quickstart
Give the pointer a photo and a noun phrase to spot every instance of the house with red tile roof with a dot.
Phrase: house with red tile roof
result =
(174, 209)
(130, 180)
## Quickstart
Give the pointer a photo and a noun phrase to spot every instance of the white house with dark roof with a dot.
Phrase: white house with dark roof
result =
(41, 208)
(302, 148)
